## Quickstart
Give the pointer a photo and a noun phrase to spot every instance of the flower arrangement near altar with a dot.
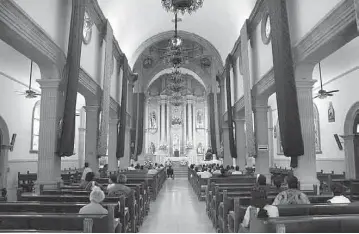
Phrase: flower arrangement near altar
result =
(163, 147)
(184, 162)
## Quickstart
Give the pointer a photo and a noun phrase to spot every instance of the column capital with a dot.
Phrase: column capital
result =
(260, 104)
(49, 83)
(238, 120)
(305, 84)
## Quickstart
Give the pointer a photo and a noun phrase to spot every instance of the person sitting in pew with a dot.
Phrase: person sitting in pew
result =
(237, 171)
(261, 180)
(131, 168)
(84, 173)
(111, 181)
(152, 171)
(205, 174)
(338, 191)
(94, 207)
(259, 201)
(277, 181)
(292, 195)
(90, 182)
(119, 188)
(138, 166)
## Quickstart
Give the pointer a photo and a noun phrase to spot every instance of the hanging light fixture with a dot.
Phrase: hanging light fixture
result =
(182, 6)
(174, 55)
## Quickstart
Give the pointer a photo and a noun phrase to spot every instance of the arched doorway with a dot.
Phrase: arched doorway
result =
(351, 142)
(4, 148)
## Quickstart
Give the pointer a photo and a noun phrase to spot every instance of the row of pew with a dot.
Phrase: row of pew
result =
(227, 199)
(56, 210)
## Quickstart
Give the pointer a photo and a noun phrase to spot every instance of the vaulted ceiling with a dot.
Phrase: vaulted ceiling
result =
(134, 21)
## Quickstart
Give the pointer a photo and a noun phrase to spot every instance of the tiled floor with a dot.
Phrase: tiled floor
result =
(177, 210)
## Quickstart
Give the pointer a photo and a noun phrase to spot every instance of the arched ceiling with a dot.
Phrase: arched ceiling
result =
(134, 21)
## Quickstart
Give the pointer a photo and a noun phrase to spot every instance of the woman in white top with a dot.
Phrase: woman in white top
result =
(259, 201)
(338, 190)
(94, 207)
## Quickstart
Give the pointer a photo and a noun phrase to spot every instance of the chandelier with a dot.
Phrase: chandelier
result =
(177, 99)
(174, 55)
(182, 6)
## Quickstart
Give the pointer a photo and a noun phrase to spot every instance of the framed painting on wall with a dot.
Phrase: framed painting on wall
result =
(331, 113)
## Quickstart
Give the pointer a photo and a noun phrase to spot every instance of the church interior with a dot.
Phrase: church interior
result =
(130, 115)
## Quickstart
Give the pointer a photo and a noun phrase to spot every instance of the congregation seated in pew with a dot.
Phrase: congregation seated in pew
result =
(90, 182)
(117, 186)
(338, 190)
(94, 207)
(292, 195)
(259, 201)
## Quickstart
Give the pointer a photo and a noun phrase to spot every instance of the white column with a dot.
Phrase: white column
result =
(112, 145)
(49, 163)
(125, 160)
(227, 159)
(241, 143)
(235, 79)
(163, 121)
(81, 138)
(168, 124)
(190, 123)
(205, 116)
(146, 144)
(306, 170)
(350, 172)
(185, 126)
(4, 162)
(261, 134)
(92, 128)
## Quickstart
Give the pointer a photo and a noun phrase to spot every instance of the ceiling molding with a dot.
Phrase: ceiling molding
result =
(21, 32)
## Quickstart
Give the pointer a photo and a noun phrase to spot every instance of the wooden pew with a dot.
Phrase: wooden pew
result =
(85, 199)
(306, 224)
(65, 222)
(43, 207)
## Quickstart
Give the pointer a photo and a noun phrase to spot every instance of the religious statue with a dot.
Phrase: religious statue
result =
(153, 120)
(200, 122)
(152, 148)
(331, 113)
(200, 149)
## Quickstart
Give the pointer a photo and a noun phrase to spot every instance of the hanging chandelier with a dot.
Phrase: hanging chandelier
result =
(182, 6)
(174, 55)
(177, 99)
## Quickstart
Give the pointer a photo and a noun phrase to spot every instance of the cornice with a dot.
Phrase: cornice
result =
(330, 28)
(266, 86)
(18, 21)
(256, 16)
(88, 83)
(113, 104)
(239, 105)
(96, 15)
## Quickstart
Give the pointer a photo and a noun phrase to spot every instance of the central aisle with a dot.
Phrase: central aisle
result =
(177, 209)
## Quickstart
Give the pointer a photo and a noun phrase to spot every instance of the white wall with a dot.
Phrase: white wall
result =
(53, 16)
(303, 15)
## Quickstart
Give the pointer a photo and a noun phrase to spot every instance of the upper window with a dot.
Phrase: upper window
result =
(35, 130)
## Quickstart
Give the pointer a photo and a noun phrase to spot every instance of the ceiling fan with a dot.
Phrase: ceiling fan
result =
(29, 93)
(322, 94)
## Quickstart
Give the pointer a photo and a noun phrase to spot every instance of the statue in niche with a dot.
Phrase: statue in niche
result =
(200, 149)
(200, 119)
(153, 120)
(152, 148)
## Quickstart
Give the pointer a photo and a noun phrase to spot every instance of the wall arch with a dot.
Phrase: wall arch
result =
(169, 70)
(351, 168)
(4, 150)
(185, 35)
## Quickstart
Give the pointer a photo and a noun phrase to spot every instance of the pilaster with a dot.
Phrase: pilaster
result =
(163, 120)
(235, 78)
(306, 170)
(125, 160)
(261, 133)
(105, 105)
(227, 159)
(112, 145)
(350, 172)
(49, 163)
(92, 128)
(241, 143)
(190, 119)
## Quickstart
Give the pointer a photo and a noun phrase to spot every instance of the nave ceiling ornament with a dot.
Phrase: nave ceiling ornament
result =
(183, 6)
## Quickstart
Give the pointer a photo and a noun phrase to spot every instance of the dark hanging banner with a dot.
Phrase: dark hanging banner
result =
(121, 133)
(71, 79)
(232, 146)
(140, 119)
(288, 112)
(212, 125)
